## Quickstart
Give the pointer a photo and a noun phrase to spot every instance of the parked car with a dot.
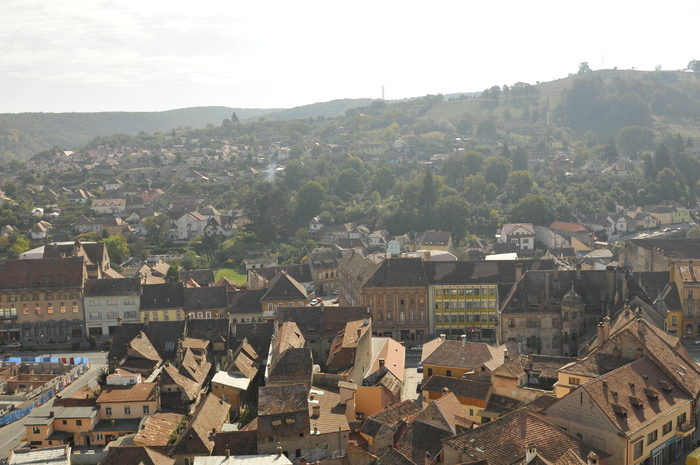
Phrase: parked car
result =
(697, 343)
(419, 368)
(419, 387)
(14, 345)
(417, 348)
(336, 300)
(313, 302)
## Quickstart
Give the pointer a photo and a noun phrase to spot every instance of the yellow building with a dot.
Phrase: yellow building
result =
(457, 358)
(162, 302)
(63, 425)
(636, 413)
(686, 277)
(464, 309)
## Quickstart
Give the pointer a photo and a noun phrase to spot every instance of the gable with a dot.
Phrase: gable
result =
(578, 407)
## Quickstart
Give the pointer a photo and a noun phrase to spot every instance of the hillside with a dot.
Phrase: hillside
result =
(24, 134)
(327, 109)
(671, 97)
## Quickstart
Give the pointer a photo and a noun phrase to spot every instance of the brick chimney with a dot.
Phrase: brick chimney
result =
(463, 338)
(592, 458)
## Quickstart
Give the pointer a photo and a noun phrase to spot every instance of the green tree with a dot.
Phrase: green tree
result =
(157, 228)
(487, 128)
(662, 159)
(309, 200)
(694, 66)
(518, 185)
(497, 170)
(633, 139)
(10, 189)
(190, 260)
(349, 183)
(429, 193)
(648, 167)
(117, 249)
(383, 180)
(583, 68)
(520, 159)
(534, 209)
(20, 245)
(452, 213)
(610, 150)
(173, 274)
(234, 119)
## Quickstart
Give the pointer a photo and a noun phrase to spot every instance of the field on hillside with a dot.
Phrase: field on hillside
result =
(233, 275)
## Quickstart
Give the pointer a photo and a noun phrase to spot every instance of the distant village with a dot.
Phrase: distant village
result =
(553, 344)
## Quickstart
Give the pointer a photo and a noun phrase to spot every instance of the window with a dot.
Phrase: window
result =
(690, 294)
(112, 314)
(471, 412)
(36, 296)
(146, 410)
(325, 446)
(49, 308)
(65, 422)
(422, 316)
(689, 310)
(75, 307)
(430, 372)
(155, 316)
(200, 315)
(448, 372)
(25, 297)
(93, 302)
(667, 428)
(280, 304)
(402, 316)
(111, 302)
(62, 308)
(178, 315)
(638, 449)
(74, 295)
(380, 316)
(108, 410)
(129, 301)
(166, 315)
(36, 430)
(99, 436)
(25, 310)
(127, 410)
(674, 320)
(49, 296)
(388, 316)
(95, 315)
(413, 316)
(78, 422)
(575, 381)
(269, 307)
(61, 295)
(652, 437)
(681, 419)
(208, 315)
(12, 298)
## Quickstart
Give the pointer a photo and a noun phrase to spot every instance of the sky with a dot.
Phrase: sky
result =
(154, 55)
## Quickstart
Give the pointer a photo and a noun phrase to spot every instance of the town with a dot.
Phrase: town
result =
(545, 343)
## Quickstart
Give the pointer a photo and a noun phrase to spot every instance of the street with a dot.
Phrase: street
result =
(411, 377)
(11, 435)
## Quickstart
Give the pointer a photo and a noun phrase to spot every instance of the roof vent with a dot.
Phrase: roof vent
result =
(619, 410)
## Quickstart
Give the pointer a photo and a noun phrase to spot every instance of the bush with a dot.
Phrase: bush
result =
(93, 342)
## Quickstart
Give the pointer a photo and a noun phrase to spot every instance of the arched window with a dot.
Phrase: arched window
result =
(422, 316)
(413, 315)
(63, 307)
(689, 330)
(49, 308)
(402, 316)
(379, 316)
(37, 309)
(566, 316)
(574, 315)
(388, 316)
(75, 307)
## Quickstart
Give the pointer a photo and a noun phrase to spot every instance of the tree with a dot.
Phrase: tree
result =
(173, 274)
(518, 185)
(429, 193)
(10, 189)
(662, 159)
(117, 249)
(157, 228)
(633, 139)
(487, 128)
(234, 118)
(610, 150)
(383, 180)
(473, 162)
(190, 260)
(497, 170)
(534, 209)
(519, 159)
(583, 67)
(648, 167)
(349, 183)
(452, 213)
(309, 200)
(694, 66)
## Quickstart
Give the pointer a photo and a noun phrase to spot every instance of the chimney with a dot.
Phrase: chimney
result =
(518, 272)
(427, 458)
(51, 414)
(359, 333)
(578, 270)
(302, 460)
(556, 271)
(113, 423)
(592, 458)
(463, 338)
(445, 391)
(443, 337)
(279, 450)
(546, 287)
(610, 278)
(316, 411)
(381, 362)
(505, 354)
(601, 337)
(228, 453)
(531, 453)
(119, 321)
(606, 328)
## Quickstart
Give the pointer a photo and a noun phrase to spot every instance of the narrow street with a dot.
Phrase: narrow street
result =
(11, 435)
(411, 378)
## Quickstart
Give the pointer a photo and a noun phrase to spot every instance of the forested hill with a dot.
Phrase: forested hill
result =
(24, 134)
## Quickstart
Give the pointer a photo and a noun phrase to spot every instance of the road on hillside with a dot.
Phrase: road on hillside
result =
(11, 435)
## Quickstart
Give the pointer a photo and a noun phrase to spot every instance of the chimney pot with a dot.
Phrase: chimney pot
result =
(463, 337)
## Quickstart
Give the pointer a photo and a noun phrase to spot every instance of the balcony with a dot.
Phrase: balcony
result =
(7, 316)
(685, 427)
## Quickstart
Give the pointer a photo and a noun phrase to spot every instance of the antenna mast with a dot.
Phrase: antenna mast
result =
(382, 91)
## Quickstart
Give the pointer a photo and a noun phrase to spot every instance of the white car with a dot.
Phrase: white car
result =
(14, 345)
(417, 348)
(314, 302)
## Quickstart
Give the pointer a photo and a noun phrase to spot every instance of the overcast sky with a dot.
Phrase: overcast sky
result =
(149, 55)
